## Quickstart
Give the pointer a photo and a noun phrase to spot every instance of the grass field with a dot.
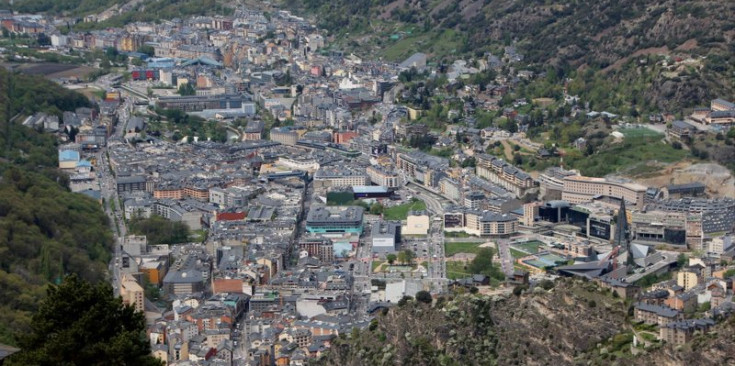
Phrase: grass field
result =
(640, 132)
(629, 152)
(515, 253)
(457, 234)
(451, 249)
(400, 212)
(375, 265)
(530, 247)
(445, 42)
(456, 270)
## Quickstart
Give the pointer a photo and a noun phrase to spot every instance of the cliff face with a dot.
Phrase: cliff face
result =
(552, 327)
(573, 323)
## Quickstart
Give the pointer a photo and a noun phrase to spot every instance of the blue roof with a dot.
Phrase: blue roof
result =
(84, 163)
(68, 155)
(369, 189)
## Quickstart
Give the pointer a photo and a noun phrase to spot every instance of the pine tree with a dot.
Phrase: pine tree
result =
(83, 324)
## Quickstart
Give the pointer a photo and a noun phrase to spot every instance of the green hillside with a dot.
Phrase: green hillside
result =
(46, 231)
(70, 7)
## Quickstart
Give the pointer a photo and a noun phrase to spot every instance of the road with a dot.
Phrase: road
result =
(108, 189)
(506, 259)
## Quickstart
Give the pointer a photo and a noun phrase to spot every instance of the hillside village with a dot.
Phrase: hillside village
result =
(320, 188)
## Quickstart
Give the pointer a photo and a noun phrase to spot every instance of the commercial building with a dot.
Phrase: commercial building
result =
(551, 182)
(386, 236)
(342, 219)
(481, 223)
(581, 189)
(658, 226)
(197, 103)
(383, 177)
(503, 174)
(341, 176)
(284, 135)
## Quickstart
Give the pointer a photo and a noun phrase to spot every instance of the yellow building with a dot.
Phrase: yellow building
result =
(414, 114)
(687, 280)
(132, 293)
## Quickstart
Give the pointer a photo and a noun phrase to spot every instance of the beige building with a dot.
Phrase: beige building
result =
(383, 177)
(340, 177)
(687, 280)
(581, 189)
(503, 174)
(530, 211)
(284, 136)
(132, 293)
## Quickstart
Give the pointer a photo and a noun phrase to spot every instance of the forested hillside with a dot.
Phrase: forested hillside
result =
(61, 7)
(46, 231)
(594, 38)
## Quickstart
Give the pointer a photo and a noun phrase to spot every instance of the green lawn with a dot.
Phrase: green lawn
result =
(640, 132)
(456, 270)
(400, 212)
(530, 247)
(515, 253)
(621, 156)
(461, 247)
(457, 234)
(374, 265)
(444, 42)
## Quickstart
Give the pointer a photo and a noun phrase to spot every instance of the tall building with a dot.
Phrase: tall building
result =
(622, 232)
(132, 293)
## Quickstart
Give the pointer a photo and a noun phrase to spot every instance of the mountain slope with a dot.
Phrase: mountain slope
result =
(539, 328)
(46, 231)
(599, 36)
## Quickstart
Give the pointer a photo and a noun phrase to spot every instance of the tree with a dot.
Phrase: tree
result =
(406, 257)
(391, 258)
(483, 264)
(404, 300)
(186, 89)
(517, 159)
(376, 208)
(424, 296)
(83, 324)
(43, 40)
(147, 49)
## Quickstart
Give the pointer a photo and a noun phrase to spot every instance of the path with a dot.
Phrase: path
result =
(508, 150)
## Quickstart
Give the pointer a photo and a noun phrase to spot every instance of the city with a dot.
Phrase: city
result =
(299, 191)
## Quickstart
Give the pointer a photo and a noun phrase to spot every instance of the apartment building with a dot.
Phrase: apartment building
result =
(340, 177)
(505, 175)
(383, 177)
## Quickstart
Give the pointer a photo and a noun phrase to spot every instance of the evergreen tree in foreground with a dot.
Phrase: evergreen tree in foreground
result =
(83, 324)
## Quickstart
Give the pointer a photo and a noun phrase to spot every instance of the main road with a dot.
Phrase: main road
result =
(108, 189)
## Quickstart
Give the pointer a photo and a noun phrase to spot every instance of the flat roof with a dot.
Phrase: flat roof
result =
(369, 189)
